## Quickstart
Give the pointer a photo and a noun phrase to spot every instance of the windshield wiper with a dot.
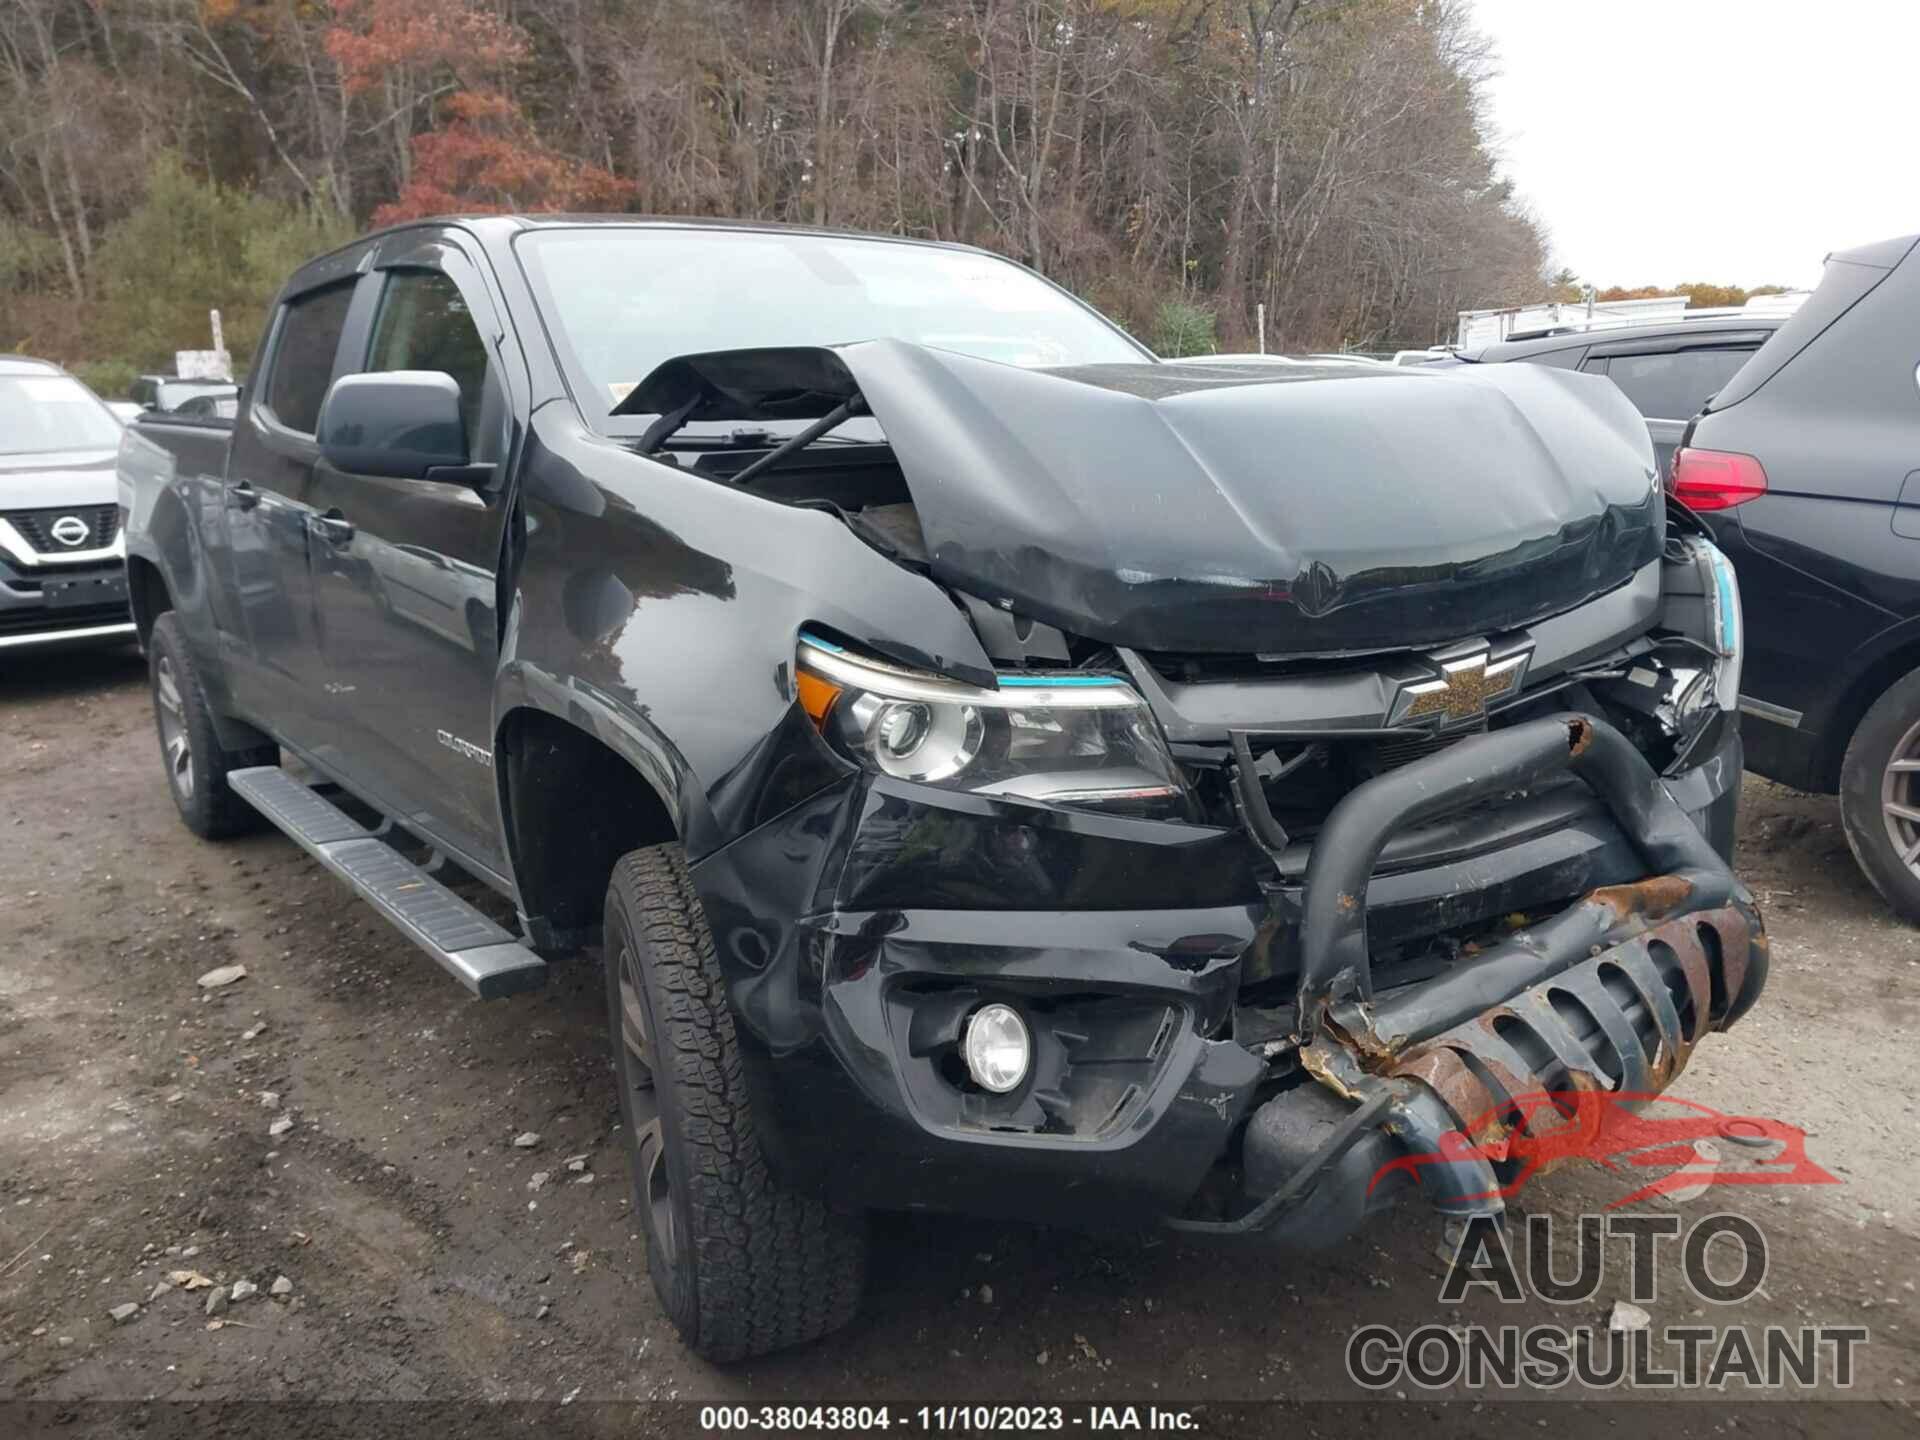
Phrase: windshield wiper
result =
(664, 426)
(744, 439)
(839, 415)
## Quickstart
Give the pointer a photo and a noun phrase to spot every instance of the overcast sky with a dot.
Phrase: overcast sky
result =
(1728, 141)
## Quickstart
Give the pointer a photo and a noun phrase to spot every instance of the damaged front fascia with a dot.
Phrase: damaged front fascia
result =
(1337, 968)
(1612, 994)
(835, 922)
(1479, 1072)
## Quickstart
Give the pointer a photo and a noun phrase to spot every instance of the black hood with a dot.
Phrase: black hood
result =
(1285, 508)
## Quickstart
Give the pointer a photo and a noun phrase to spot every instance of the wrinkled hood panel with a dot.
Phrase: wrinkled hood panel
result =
(67, 477)
(1294, 509)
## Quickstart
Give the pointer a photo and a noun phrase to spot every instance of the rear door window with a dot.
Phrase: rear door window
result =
(303, 356)
(1674, 385)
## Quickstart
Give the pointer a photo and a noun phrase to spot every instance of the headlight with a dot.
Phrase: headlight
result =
(1701, 600)
(1671, 694)
(1078, 740)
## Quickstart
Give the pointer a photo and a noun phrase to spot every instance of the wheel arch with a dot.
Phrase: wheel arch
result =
(574, 797)
(1892, 654)
(147, 593)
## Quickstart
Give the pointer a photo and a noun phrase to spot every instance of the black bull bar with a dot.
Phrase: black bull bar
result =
(1611, 994)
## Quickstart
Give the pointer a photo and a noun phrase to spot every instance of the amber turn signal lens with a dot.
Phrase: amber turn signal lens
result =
(816, 696)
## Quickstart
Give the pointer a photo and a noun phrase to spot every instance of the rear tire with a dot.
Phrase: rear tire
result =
(742, 1264)
(1880, 795)
(196, 763)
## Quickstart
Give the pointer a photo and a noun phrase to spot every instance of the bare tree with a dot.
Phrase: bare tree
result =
(1325, 158)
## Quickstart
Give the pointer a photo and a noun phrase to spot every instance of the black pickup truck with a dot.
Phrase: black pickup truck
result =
(999, 771)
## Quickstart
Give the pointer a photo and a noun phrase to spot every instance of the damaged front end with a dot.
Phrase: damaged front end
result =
(1235, 1013)
(1610, 994)
(1281, 836)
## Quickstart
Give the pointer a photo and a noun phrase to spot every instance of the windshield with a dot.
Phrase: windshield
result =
(621, 301)
(53, 412)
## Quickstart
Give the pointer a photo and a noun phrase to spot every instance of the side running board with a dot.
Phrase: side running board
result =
(466, 944)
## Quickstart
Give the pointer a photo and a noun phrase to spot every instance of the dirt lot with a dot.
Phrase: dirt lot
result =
(134, 1141)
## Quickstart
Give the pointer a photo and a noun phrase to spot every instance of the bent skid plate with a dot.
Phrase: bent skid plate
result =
(1337, 965)
(1626, 1020)
(1608, 996)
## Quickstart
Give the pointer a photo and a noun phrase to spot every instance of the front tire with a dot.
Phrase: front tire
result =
(196, 762)
(742, 1264)
(1880, 795)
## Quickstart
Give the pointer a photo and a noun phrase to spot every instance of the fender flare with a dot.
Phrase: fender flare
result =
(523, 685)
(1850, 700)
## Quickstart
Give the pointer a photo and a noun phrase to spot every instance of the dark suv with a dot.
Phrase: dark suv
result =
(1806, 466)
(1668, 371)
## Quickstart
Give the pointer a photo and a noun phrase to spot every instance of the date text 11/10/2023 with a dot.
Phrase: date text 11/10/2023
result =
(945, 1419)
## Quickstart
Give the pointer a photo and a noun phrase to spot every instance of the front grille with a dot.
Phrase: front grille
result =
(1393, 751)
(37, 526)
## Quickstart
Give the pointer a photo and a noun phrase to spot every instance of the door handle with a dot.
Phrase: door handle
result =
(333, 527)
(242, 496)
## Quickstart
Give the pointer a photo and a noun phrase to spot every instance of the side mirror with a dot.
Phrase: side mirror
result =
(404, 424)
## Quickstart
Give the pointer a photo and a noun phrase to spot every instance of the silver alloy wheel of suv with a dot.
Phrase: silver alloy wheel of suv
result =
(175, 746)
(1900, 798)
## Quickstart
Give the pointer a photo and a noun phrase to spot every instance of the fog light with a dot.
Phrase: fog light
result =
(997, 1048)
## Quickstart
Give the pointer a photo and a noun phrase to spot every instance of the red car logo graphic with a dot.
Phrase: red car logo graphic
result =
(1541, 1130)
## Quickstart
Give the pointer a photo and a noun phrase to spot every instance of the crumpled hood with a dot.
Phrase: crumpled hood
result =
(66, 477)
(1288, 509)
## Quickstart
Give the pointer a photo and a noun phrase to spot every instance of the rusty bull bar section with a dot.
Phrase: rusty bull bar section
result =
(1611, 994)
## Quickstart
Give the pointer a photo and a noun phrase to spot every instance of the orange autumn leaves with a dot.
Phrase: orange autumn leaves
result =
(481, 154)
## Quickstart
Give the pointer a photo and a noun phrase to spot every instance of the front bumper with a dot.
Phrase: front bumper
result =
(47, 606)
(858, 930)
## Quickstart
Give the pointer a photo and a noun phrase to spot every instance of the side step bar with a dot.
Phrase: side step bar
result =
(466, 944)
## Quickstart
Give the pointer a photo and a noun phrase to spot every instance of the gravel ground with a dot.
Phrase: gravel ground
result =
(423, 1264)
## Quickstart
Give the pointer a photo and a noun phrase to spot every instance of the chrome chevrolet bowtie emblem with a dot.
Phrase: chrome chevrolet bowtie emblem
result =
(1466, 688)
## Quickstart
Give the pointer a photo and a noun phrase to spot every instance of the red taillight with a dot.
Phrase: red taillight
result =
(1715, 479)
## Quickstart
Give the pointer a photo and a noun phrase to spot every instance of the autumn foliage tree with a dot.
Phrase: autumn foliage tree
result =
(1190, 166)
(450, 59)
(485, 159)
(1700, 294)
